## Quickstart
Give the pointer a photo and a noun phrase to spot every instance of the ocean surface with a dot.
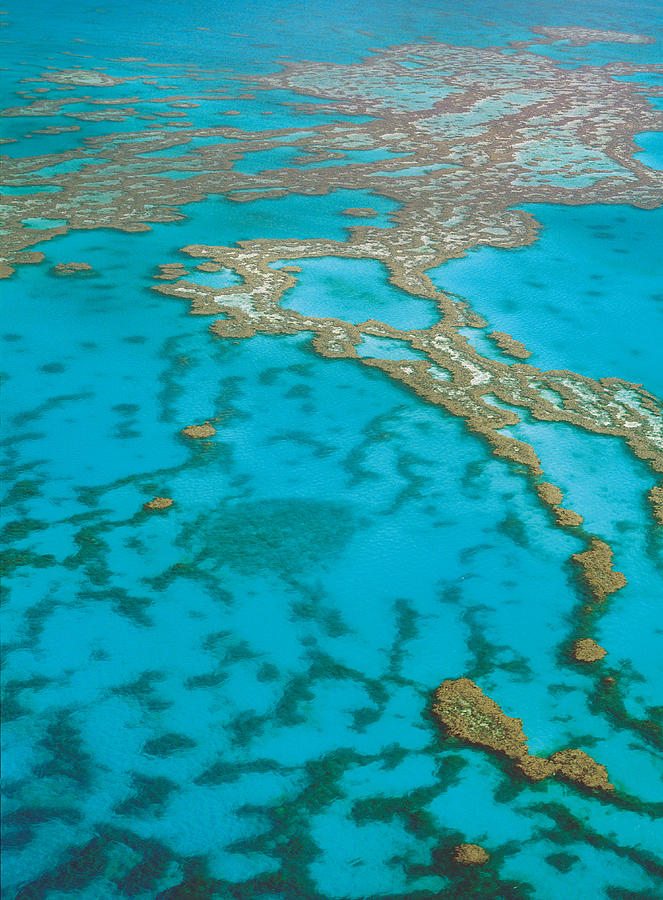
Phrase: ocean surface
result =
(231, 698)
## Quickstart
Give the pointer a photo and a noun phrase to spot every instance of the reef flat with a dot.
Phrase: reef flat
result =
(273, 475)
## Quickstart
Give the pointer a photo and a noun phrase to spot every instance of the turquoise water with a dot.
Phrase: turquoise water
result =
(386, 348)
(28, 189)
(652, 154)
(301, 217)
(585, 296)
(230, 699)
(355, 290)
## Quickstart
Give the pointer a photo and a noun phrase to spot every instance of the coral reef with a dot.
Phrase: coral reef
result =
(470, 855)
(595, 564)
(71, 268)
(170, 271)
(568, 518)
(551, 495)
(656, 501)
(365, 212)
(509, 345)
(199, 431)
(158, 503)
(580, 37)
(579, 767)
(468, 714)
(587, 650)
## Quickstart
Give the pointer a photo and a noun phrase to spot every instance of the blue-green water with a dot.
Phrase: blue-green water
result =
(231, 699)
(586, 296)
(652, 154)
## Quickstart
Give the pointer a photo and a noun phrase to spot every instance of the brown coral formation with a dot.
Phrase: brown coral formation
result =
(360, 212)
(71, 268)
(551, 495)
(578, 766)
(470, 855)
(587, 650)
(608, 407)
(595, 565)
(464, 710)
(158, 503)
(199, 431)
(656, 500)
(568, 518)
(170, 271)
(468, 714)
(82, 78)
(510, 345)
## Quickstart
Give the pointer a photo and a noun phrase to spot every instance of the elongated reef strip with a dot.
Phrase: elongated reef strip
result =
(510, 345)
(656, 500)
(464, 710)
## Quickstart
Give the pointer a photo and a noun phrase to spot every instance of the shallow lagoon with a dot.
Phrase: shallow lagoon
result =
(652, 153)
(355, 290)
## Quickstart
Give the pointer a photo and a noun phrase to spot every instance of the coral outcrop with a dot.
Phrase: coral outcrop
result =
(587, 651)
(170, 271)
(470, 855)
(568, 518)
(199, 431)
(158, 503)
(596, 567)
(510, 345)
(468, 714)
(71, 268)
(360, 212)
(551, 495)
(656, 500)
